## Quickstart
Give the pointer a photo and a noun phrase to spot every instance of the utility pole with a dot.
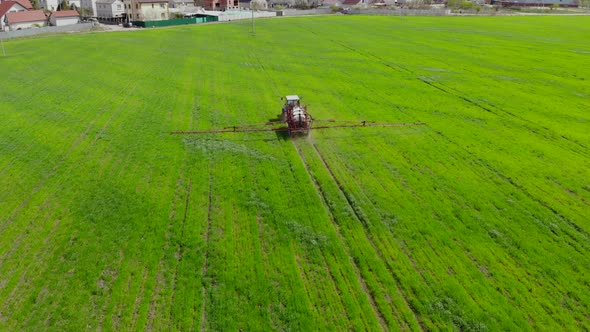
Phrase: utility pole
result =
(252, 9)
(2, 43)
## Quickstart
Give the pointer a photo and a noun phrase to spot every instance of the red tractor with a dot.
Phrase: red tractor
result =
(296, 117)
(297, 121)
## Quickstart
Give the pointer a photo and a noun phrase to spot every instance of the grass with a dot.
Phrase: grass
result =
(477, 221)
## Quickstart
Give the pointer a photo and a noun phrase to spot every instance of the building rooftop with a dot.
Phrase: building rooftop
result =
(5, 6)
(28, 16)
(25, 3)
(65, 13)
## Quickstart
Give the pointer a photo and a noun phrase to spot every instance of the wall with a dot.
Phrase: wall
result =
(61, 21)
(89, 5)
(154, 14)
(299, 12)
(105, 10)
(38, 31)
(179, 21)
(49, 4)
(401, 12)
(15, 8)
(26, 25)
(242, 15)
(110, 10)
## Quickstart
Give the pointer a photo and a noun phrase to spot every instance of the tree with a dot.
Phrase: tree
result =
(258, 4)
(454, 3)
(63, 5)
(35, 4)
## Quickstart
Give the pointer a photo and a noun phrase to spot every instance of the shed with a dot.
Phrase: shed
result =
(25, 3)
(110, 9)
(64, 17)
(25, 20)
(350, 3)
(9, 7)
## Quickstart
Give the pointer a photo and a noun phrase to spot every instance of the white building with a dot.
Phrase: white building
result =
(49, 4)
(9, 7)
(64, 17)
(88, 8)
(24, 20)
(110, 9)
(147, 10)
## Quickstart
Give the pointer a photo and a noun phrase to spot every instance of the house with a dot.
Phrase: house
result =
(110, 10)
(10, 7)
(221, 4)
(354, 3)
(64, 17)
(25, 20)
(49, 4)
(25, 3)
(74, 4)
(182, 4)
(147, 10)
(88, 8)
(535, 3)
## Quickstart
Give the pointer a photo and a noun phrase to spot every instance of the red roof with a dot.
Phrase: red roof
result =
(25, 3)
(5, 6)
(65, 13)
(28, 16)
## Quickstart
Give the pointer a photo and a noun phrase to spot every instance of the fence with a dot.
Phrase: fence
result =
(299, 12)
(80, 27)
(400, 11)
(243, 15)
(179, 21)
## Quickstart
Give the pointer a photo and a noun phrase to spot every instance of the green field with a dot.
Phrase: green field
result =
(477, 221)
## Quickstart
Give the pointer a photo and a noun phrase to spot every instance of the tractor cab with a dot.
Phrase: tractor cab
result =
(291, 102)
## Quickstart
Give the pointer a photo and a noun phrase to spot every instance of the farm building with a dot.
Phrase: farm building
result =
(24, 20)
(351, 3)
(64, 17)
(182, 4)
(25, 3)
(9, 7)
(536, 3)
(220, 4)
(88, 7)
(110, 10)
(147, 10)
(49, 4)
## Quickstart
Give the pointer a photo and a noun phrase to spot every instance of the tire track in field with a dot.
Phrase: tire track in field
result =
(363, 284)
(333, 219)
(156, 292)
(323, 255)
(459, 95)
(179, 253)
(138, 300)
(528, 124)
(365, 223)
(53, 171)
(463, 247)
(516, 185)
(61, 161)
(405, 249)
(206, 258)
